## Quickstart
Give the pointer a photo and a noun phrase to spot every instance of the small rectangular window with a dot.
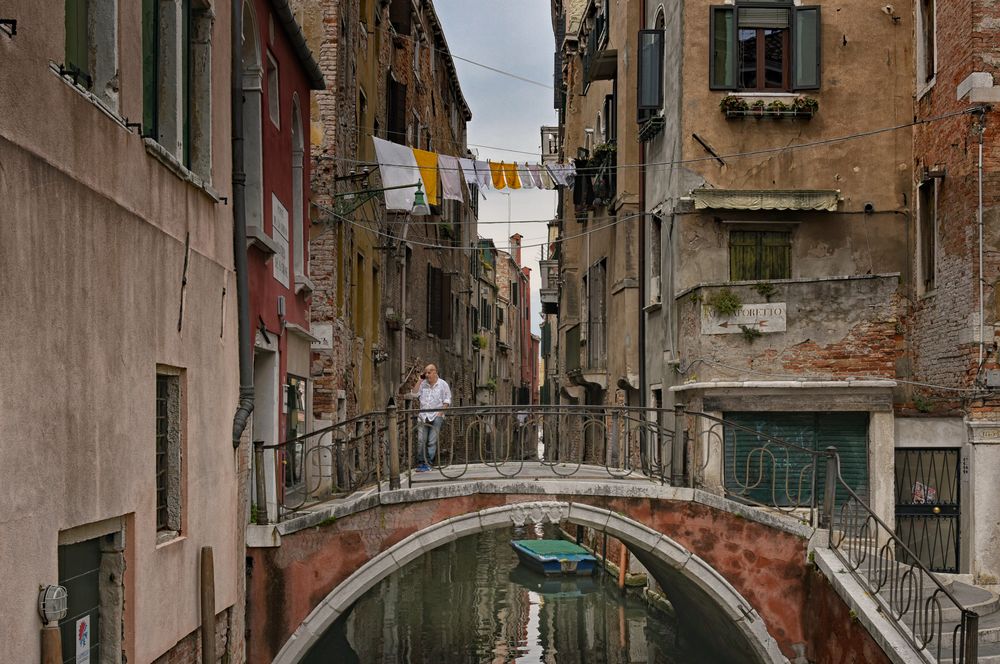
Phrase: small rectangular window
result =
(927, 20)
(273, 95)
(757, 255)
(168, 453)
(927, 233)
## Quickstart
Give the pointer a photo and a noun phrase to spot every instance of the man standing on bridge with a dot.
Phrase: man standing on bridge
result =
(435, 396)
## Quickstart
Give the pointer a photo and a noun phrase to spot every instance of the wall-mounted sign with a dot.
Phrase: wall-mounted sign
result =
(323, 332)
(984, 433)
(83, 637)
(764, 317)
(279, 233)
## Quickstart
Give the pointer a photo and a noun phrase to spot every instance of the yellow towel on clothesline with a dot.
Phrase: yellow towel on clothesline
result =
(510, 174)
(428, 163)
(496, 170)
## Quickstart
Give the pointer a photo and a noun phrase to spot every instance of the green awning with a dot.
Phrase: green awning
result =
(766, 199)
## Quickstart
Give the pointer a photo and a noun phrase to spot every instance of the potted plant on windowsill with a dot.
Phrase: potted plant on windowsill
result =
(777, 108)
(805, 106)
(758, 108)
(394, 322)
(733, 106)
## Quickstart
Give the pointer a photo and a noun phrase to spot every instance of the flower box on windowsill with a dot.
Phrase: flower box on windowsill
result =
(804, 113)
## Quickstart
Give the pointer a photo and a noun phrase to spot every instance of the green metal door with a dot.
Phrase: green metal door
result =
(764, 471)
(79, 573)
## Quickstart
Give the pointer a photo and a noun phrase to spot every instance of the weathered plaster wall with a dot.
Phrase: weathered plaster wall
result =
(92, 250)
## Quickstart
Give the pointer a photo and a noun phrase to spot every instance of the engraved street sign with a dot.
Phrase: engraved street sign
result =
(764, 317)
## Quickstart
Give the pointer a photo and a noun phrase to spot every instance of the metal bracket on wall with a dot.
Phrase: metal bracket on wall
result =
(8, 25)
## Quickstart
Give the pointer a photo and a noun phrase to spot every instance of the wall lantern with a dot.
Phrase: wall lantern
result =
(52, 603)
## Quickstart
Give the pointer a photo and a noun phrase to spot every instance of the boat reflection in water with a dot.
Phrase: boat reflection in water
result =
(470, 601)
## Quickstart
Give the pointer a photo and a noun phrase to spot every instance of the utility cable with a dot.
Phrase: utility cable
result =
(733, 155)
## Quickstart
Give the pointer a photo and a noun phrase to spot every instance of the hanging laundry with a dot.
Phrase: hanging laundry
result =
(499, 177)
(536, 177)
(569, 173)
(555, 170)
(397, 167)
(428, 162)
(525, 176)
(546, 177)
(451, 179)
(485, 174)
(469, 171)
(510, 174)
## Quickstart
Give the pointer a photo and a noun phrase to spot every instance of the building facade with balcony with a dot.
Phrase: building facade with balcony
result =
(598, 254)
(776, 236)
(117, 249)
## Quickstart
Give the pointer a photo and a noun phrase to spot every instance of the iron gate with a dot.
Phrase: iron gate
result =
(928, 506)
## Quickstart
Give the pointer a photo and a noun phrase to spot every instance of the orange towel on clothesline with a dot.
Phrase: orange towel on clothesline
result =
(496, 170)
(510, 174)
(428, 163)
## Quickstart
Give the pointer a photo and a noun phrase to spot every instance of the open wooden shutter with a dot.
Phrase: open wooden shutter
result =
(433, 300)
(722, 45)
(806, 49)
(444, 297)
(650, 84)
(395, 94)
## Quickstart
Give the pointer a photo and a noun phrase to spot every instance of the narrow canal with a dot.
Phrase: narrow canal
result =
(470, 601)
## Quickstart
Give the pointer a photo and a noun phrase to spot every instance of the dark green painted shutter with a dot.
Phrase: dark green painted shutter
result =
(722, 58)
(76, 39)
(150, 66)
(770, 473)
(806, 49)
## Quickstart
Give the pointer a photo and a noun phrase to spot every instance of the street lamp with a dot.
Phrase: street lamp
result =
(349, 201)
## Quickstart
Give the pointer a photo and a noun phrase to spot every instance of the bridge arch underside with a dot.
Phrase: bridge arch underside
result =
(709, 608)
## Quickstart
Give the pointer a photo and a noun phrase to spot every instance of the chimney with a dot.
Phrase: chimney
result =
(515, 247)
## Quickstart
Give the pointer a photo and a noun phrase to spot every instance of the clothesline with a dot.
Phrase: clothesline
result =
(441, 176)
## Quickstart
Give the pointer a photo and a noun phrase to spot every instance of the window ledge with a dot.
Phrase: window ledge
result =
(304, 283)
(256, 237)
(653, 306)
(168, 537)
(101, 105)
(180, 170)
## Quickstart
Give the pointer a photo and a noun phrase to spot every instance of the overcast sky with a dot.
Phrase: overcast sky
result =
(514, 36)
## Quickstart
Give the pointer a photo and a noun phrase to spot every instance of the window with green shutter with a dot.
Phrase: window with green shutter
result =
(78, 41)
(760, 255)
(766, 472)
(765, 45)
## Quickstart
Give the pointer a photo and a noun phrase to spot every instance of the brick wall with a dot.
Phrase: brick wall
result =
(943, 328)
(188, 649)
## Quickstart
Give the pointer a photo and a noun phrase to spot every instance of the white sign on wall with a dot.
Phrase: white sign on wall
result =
(323, 332)
(279, 233)
(765, 317)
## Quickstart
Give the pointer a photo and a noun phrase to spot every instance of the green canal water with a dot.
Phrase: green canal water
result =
(470, 601)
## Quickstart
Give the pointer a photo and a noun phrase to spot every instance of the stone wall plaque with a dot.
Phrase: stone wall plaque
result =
(764, 317)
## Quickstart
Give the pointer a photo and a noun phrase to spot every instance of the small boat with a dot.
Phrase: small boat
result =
(554, 556)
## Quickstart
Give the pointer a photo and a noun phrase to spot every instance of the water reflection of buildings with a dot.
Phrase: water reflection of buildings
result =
(469, 602)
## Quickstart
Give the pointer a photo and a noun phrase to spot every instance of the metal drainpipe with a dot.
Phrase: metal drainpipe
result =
(979, 219)
(643, 402)
(245, 407)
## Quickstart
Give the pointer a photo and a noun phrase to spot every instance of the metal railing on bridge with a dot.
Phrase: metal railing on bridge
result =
(377, 451)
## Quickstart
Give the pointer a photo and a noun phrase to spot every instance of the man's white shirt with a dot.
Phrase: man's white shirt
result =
(434, 396)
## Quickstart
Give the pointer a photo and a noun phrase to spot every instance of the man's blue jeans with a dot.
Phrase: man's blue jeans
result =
(427, 438)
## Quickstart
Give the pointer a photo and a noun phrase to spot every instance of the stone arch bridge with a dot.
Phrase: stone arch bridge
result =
(762, 582)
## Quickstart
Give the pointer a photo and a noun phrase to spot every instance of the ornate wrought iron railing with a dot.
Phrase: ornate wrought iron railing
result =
(919, 605)
(379, 450)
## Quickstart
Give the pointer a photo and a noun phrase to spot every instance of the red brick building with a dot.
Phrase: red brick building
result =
(951, 413)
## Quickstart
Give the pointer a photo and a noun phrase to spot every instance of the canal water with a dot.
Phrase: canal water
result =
(470, 601)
